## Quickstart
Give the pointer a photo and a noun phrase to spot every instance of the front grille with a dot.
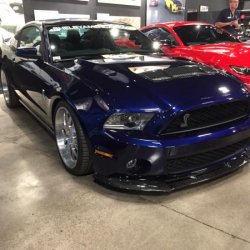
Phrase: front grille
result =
(208, 117)
(192, 162)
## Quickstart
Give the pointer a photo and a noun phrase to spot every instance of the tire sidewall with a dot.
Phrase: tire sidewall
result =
(13, 101)
(84, 159)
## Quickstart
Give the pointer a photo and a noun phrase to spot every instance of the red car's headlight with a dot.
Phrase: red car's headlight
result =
(247, 87)
(241, 70)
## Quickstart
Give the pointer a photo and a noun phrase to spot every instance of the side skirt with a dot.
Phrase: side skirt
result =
(44, 124)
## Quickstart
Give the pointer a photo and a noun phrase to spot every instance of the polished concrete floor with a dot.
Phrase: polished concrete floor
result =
(43, 207)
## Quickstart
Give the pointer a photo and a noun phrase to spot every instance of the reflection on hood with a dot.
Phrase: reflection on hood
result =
(129, 57)
(167, 72)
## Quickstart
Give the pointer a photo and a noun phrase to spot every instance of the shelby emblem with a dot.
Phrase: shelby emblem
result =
(184, 124)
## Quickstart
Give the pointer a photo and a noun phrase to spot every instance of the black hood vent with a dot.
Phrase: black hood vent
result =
(171, 72)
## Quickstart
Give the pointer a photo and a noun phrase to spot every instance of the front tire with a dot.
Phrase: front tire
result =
(10, 96)
(72, 144)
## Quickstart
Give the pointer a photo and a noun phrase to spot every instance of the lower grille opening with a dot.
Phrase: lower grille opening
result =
(192, 162)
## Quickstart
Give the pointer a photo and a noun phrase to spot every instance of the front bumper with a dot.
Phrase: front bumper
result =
(168, 168)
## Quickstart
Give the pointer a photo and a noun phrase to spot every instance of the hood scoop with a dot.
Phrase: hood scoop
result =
(162, 73)
(126, 58)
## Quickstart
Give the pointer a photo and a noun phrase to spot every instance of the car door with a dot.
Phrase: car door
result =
(31, 74)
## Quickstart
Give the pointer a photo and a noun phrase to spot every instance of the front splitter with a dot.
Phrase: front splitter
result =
(170, 183)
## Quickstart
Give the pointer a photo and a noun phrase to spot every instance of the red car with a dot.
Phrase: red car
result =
(204, 43)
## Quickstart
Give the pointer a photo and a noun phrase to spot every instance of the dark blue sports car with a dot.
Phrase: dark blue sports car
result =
(139, 120)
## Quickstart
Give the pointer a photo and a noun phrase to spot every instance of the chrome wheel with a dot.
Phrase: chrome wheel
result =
(6, 92)
(66, 137)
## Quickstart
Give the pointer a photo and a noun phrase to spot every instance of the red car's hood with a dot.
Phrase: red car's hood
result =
(227, 53)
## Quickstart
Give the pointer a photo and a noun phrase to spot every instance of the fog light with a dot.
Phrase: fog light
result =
(138, 166)
(131, 164)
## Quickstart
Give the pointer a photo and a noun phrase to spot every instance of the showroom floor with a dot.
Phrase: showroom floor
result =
(44, 207)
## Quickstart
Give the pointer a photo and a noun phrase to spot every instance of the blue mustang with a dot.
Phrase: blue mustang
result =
(118, 107)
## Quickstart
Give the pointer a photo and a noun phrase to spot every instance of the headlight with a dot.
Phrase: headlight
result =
(247, 87)
(241, 70)
(128, 121)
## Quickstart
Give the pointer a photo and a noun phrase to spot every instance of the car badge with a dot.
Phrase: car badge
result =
(193, 177)
(184, 124)
(228, 165)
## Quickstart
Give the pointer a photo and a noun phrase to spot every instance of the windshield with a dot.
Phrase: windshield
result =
(68, 42)
(202, 34)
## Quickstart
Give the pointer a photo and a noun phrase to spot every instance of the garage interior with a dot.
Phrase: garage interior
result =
(42, 206)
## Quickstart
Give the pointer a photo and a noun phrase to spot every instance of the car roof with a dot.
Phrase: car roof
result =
(183, 23)
(71, 21)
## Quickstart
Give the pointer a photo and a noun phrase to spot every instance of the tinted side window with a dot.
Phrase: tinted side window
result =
(30, 37)
(202, 34)
(160, 34)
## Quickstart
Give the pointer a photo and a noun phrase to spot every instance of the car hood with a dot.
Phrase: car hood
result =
(139, 82)
(231, 53)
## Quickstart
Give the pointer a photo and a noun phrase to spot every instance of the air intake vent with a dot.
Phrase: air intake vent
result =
(192, 162)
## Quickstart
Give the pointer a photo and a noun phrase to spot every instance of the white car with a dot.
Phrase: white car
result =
(5, 35)
(10, 20)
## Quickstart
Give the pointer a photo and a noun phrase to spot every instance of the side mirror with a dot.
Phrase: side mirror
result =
(243, 39)
(167, 42)
(6, 39)
(27, 53)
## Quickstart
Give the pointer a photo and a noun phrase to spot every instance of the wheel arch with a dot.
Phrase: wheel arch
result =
(54, 104)
(7, 71)
(53, 108)
(84, 165)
